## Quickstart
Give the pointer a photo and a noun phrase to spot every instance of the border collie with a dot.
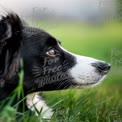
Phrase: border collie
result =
(47, 65)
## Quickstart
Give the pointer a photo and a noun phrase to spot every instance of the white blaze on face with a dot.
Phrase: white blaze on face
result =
(83, 72)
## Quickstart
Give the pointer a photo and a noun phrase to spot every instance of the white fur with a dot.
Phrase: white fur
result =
(83, 72)
(36, 100)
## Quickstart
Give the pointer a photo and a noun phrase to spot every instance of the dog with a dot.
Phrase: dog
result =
(46, 64)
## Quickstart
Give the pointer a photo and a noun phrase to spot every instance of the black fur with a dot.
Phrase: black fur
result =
(10, 42)
(30, 44)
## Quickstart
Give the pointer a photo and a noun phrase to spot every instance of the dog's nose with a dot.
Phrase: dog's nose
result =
(102, 67)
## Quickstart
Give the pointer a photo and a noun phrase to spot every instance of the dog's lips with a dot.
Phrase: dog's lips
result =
(90, 84)
(87, 84)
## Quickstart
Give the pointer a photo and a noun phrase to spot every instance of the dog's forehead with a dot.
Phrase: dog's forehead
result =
(38, 35)
(30, 31)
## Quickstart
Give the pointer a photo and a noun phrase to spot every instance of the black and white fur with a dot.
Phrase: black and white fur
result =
(47, 65)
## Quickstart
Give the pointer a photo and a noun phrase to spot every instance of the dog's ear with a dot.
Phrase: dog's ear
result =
(10, 31)
(5, 32)
(10, 41)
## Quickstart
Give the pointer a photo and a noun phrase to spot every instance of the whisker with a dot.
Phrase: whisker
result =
(36, 67)
(62, 83)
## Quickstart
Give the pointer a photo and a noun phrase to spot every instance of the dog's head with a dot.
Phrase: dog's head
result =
(48, 66)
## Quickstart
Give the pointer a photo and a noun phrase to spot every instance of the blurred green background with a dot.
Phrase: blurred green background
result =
(102, 103)
(91, 28)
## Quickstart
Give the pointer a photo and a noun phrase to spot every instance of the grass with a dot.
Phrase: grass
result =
(100, 104)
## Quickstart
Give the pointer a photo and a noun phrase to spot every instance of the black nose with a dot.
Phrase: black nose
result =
(102, 67)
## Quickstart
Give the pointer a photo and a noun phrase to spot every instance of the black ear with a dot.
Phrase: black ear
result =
(10, 42)
(5, 32)
(10, 30)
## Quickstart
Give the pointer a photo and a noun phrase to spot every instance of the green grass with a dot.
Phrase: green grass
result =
(100, 104)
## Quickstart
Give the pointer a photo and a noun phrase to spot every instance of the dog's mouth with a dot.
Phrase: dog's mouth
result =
(84, 85)
(88, 83)
(91, 77)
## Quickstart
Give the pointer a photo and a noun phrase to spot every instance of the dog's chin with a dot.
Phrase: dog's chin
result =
(86, 84)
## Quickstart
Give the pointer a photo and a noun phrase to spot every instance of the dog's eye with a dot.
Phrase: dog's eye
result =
(51, 52)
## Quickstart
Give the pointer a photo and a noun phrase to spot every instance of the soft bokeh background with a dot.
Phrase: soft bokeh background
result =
(92, 28)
